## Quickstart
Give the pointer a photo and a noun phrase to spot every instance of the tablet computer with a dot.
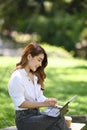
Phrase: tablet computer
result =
(55, 111)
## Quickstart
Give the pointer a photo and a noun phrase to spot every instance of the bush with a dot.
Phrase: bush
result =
(61, 29)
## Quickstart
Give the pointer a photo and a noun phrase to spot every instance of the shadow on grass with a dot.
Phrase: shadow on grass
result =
(7, 117)
(79, 67)
(4, 91)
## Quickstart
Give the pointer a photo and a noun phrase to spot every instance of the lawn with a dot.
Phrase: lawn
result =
(65, 77)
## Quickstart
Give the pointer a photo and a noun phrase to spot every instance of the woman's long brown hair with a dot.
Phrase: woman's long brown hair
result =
(34, 49)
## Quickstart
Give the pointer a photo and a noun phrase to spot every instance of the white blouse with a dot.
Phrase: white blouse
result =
(21, 88)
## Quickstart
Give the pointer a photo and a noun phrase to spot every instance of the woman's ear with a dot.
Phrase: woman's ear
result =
(29, 57)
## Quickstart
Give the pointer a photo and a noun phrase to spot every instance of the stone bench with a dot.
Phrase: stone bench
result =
(10, 128)
(78, 126)
(74, 126)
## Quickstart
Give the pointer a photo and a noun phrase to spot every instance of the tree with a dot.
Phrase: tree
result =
(57, 21)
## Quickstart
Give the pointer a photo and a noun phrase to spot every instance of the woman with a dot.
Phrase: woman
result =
(26, 90)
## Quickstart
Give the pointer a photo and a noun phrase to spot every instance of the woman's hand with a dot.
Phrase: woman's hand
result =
(50, 102)
(58, 106)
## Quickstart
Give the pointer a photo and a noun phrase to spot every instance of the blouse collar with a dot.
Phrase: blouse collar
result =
(25, 73)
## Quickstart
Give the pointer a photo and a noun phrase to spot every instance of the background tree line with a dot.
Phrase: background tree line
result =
(57, 22)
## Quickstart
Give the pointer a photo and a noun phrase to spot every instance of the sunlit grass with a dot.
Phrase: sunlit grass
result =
(65, 78)
(55, 51)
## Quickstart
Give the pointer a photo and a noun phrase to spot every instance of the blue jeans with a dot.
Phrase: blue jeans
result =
(32, 119)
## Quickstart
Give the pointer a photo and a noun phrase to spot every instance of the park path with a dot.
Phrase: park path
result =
(9, 48)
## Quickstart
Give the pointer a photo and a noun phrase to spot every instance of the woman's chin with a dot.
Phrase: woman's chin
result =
(34, 69)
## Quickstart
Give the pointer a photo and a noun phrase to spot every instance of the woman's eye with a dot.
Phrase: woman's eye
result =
(39, 60)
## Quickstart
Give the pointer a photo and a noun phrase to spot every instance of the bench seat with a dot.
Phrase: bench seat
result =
(74, 126)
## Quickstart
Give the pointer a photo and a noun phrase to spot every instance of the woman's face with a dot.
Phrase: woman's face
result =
(35, 62)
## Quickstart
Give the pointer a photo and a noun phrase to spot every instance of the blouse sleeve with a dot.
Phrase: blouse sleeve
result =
(41, 98)
(16, 91)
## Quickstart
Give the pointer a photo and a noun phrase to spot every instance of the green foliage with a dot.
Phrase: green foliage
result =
(58, 22)
(61, 29)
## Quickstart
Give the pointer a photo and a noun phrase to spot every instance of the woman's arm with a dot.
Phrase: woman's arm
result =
(46, 103)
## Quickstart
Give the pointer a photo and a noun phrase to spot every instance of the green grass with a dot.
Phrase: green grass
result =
(65, 78)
